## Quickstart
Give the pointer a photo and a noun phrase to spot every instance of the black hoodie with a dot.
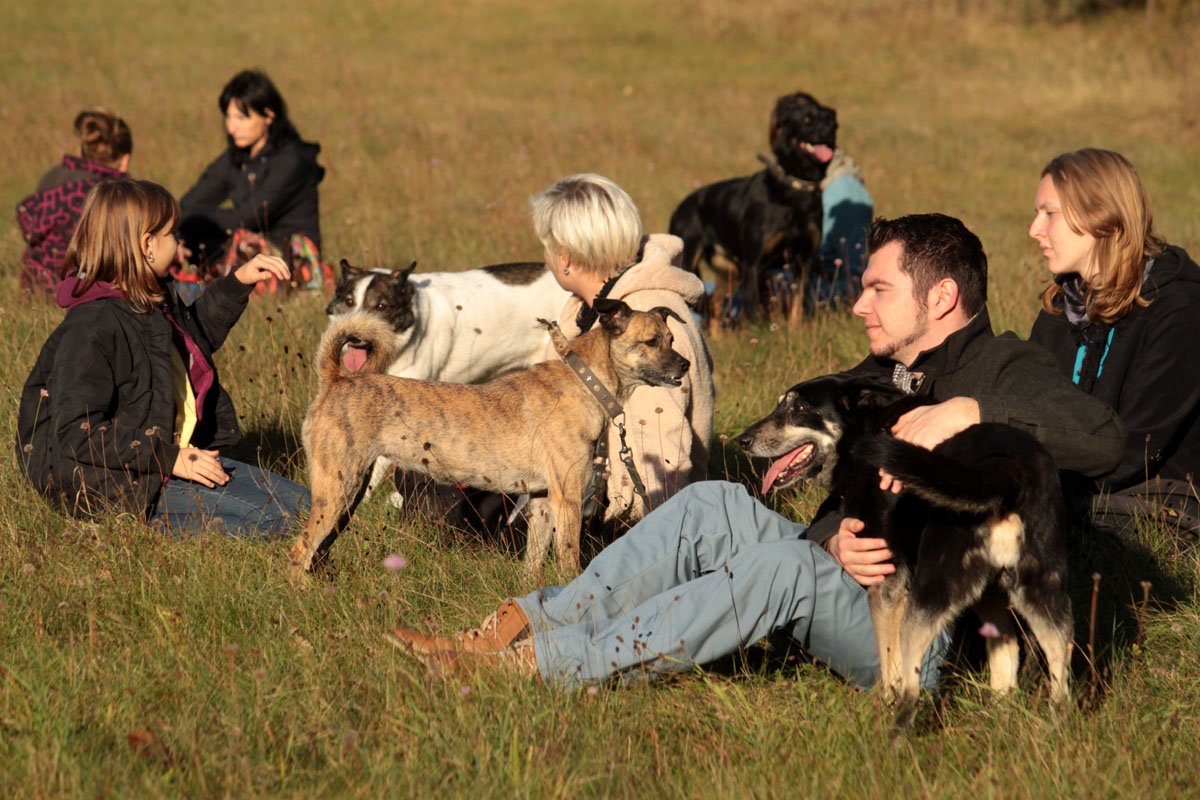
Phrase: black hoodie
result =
(1149, 371)
(273, 193)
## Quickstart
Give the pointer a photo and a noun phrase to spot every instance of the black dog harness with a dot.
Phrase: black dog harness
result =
(612, 409)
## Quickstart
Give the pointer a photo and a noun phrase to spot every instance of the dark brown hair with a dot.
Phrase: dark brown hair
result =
(936, 247)
(103, 138)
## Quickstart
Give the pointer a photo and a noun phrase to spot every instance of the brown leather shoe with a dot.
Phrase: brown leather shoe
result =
(503, 627)
(519, 659)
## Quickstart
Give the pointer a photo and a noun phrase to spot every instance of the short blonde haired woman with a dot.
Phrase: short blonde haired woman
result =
(592, 233)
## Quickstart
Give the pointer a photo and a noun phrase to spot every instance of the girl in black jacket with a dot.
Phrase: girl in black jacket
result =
(268, 177)
(123, 410)
(1121, 314)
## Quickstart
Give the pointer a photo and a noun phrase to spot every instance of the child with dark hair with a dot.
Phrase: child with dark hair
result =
(123, 410)
(48, 216)
(268, 177)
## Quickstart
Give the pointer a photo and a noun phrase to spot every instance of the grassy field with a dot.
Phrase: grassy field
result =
(132, 665)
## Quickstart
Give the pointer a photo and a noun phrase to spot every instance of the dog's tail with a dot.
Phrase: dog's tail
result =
(939, 479)
(355, 342)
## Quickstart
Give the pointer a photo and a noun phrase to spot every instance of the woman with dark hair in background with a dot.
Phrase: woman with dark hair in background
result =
(49, 215)
(1120, 317)
(260, 195)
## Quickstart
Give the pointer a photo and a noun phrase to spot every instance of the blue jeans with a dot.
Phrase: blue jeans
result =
(254, 504)
(710, 571)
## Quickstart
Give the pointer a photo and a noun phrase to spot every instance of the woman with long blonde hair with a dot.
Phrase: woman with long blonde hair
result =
(123, 411)
(1122, 315)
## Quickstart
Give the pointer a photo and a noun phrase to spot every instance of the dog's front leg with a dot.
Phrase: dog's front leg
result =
(885, 617)
(541, 529)
(567, 520)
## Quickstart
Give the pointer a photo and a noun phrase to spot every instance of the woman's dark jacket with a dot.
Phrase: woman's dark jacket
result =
(1149, 371)
(97, 415)
(273, 193)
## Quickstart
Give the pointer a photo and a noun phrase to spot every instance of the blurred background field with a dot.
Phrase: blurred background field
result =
(436, 123)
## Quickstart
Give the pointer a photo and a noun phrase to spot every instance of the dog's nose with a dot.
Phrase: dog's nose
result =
(744, 439)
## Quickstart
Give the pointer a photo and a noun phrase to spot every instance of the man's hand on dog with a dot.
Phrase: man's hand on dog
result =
(200, 466)
(929, 426)
(261, 267)
(868, 561)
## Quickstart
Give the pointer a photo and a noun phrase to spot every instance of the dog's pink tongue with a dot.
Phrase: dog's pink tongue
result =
(778, 467)
(823, 152)
(354, 358)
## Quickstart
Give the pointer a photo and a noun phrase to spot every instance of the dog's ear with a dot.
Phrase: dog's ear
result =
(401, 275)
(614, 315)
(867, 393)
(349, 271)
(665, 313)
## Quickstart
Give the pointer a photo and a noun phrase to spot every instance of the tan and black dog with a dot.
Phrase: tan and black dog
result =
(981, 523)
(533, 431)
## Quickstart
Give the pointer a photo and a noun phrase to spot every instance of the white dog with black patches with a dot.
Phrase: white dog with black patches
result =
(460, 327)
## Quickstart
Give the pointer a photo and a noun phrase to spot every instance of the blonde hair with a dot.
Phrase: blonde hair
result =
(107, 246)
(103, 137)
(1102, 195)
(592, 220)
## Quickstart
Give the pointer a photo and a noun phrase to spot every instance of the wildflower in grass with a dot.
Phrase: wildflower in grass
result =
(395, 562)
(43, 393)
(989, 631)
(464, 690)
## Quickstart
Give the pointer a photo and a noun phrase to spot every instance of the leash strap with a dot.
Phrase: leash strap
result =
(613, 409)
(778, 171)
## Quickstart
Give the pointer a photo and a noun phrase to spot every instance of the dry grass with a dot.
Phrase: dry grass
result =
(436, 123)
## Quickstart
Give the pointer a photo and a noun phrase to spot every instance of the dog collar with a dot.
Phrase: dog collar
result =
(782, 176)
(599, 391)
(614, 410)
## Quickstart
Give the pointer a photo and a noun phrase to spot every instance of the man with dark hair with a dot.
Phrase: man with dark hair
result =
(713, 570)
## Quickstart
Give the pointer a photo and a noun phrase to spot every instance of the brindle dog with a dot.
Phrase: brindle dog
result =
(533, 431)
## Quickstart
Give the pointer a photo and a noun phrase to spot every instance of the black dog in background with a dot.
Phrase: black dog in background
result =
(773, 217)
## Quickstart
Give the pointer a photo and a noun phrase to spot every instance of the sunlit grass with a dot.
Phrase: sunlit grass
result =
(134, 665)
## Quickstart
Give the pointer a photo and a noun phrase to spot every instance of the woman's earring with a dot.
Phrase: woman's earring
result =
(566, 270)
(149, 258)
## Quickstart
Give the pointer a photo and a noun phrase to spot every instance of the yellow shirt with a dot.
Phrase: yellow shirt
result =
(185, 400)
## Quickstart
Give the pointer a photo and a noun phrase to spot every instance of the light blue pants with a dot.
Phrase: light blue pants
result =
(710, 571)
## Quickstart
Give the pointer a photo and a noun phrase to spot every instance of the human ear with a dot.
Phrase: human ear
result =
(145, 244)
(943, 298)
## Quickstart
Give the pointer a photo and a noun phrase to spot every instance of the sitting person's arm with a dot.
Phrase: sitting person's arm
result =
(270, 195)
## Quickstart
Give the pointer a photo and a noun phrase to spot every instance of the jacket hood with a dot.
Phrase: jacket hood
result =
(307, 152)
(1173, 265)
(97, 291)
(657, 271)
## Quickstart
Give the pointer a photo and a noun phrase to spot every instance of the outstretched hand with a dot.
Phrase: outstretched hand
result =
(261, 267)
(200, 466)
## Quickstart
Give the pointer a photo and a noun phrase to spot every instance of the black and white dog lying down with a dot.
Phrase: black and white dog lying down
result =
(981, 523)
(460, 327)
